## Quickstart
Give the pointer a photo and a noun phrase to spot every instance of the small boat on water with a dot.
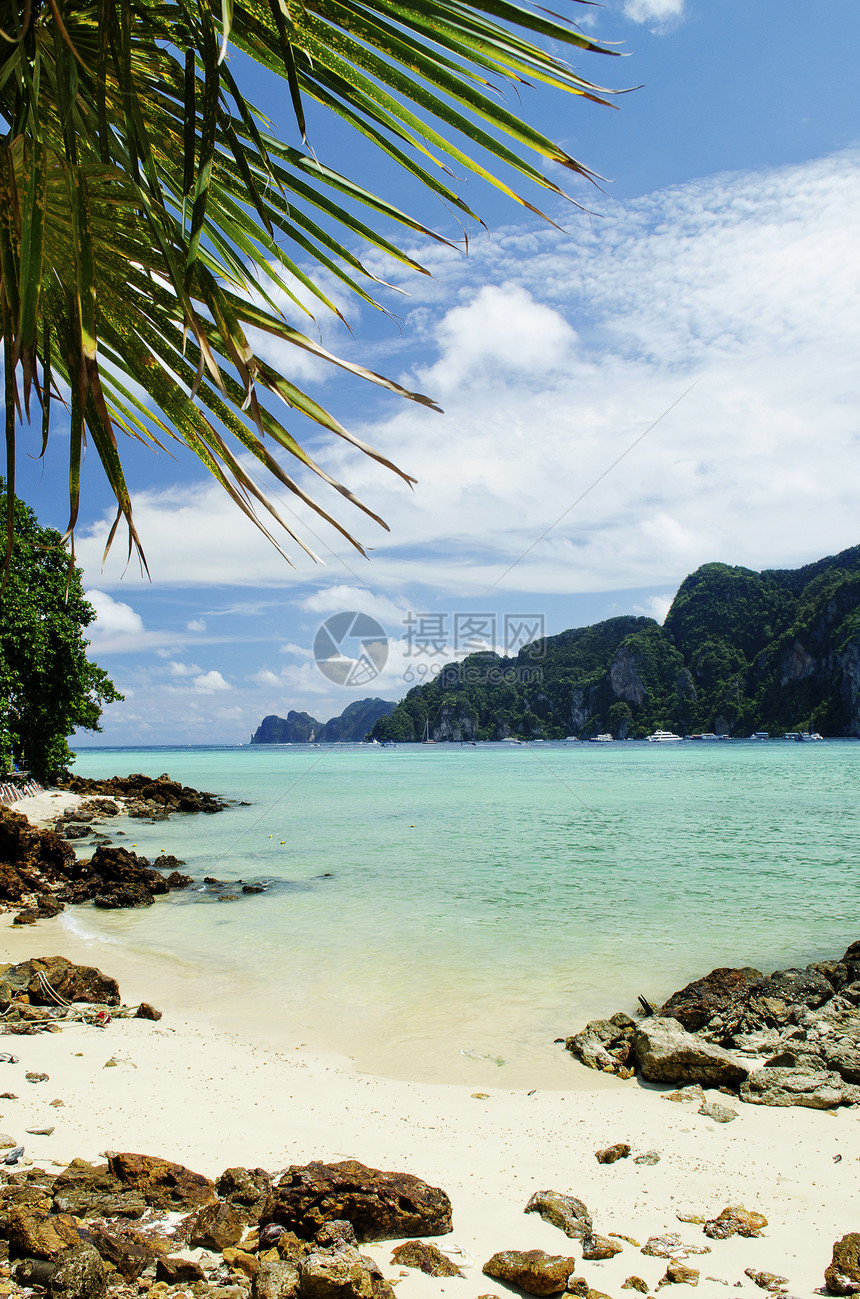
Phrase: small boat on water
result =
(606, 738)
(760, 735)
(706, 735)
(663, 737)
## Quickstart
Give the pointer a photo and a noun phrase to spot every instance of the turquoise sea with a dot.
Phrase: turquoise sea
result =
(434, 910)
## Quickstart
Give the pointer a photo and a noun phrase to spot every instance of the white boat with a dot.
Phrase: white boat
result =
(426, 738)
(706, 735)
(663, 737)
(760, 735)
(606, 738)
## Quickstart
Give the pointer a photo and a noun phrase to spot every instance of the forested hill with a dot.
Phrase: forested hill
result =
(739, 651)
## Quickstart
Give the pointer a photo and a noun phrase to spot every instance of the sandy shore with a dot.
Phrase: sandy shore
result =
(209, 1099)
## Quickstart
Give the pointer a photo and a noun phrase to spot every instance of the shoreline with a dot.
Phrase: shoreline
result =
(188, 1090)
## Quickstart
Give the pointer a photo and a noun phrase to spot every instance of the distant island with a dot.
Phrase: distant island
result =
(739, 652)
(300, 728)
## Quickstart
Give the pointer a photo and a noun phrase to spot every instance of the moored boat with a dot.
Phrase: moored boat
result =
(663, 737)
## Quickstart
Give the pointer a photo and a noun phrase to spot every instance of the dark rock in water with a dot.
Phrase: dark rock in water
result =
(380, 1205)
(71, 982)
(605, 1044)
(696, 1004)
(145, 1011)
(426, 1257)
(161, 794)
(253, 888)
(564, 1211)
(163, 1185)
(532, 1270)
(167, 862)
(80, 1274)
(228, 897)
(124, 895)
(176, 880)
(612, 1154)
(248, 1191)
(666, 1053)
(735, 1220)
(72, 831)
(178, 1271)
(821, 1089)
(842, 1275)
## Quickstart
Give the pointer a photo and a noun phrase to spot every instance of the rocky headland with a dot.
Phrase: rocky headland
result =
(788, 1038)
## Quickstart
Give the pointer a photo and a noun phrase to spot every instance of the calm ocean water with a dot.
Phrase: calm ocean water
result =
(434, 909)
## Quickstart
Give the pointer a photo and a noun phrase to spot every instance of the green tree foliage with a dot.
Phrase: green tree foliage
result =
(48, 687)
(149, 219)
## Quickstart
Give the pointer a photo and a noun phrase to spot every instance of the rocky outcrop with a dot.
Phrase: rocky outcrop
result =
(162, 793)
(842, 1275)
(350, 727)
(801, 1025)
(380, 1206)
(161, 1183)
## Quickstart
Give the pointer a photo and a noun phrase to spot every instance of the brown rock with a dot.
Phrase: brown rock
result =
(766, 1280)
(677, 1273)
(247, 1190)
(635, 1283)
(238, 1260)
(178, 1271)
(532, 1270)
(129, 1251)
(275, 1281)
(72, 982)
(719, 1113)
(338, 1274)
(380, 1206)
(578, 1285)
(665, 1052)
(670, 1246)
(163, 1185)
(80, 1274)
(597, 1247)
(696, 1004)
(563, 1211)
(612, 1153)
(426, 1257)
(34, 1235)
(145, 1011)
(91, 1191)
(842, 1275)
(735, 1220)
(216, 1226)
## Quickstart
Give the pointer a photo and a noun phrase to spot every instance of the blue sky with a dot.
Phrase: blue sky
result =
(669, 381)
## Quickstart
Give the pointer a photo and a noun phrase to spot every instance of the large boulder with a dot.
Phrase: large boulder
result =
(248, 1190)
(532, 1270)
(564, 1211)
(72, 983)
(380, 1206)
(79, 1275)
(91, 1191)
(163, 1185)
(32, 1234)
(821, 1089)
(842, 1275)
(696, 1005)
(665, 1052)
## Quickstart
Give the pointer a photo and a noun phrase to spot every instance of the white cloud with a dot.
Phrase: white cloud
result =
(183, 669)
(117, 625)
(196, 624)
(656, 606)
(557, 356)
(659, 11)
(209, 683)
(265, 677)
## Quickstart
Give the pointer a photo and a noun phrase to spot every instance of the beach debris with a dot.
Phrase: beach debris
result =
(735, 1220)
(426, 1257)
(635, 1283)
(6, 1058)
(596, 1247)
(697, 1218)
(842, 1274)
(36, 1077)
(719, 1113)
(380, 1205)
(9, 1096)
(566, 1212)
(39, 1132)
(533, 1270)
(112, 1063)
(766, 1280)
(677, 1273)
(649, 1157)
(482, 1055)
(14, 1155)
(6, 1142)
(480, 1096)
(670, 1246)
(618, 1235)
(612, 1154)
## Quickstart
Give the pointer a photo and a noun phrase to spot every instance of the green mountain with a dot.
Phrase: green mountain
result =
(300, 728)
(739, 651)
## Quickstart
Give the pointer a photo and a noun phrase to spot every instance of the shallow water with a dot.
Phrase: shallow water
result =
(436, 908)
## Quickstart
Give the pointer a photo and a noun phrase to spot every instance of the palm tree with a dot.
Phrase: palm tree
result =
(150, 220)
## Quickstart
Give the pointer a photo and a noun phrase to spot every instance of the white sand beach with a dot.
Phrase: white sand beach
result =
(181, 1089)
